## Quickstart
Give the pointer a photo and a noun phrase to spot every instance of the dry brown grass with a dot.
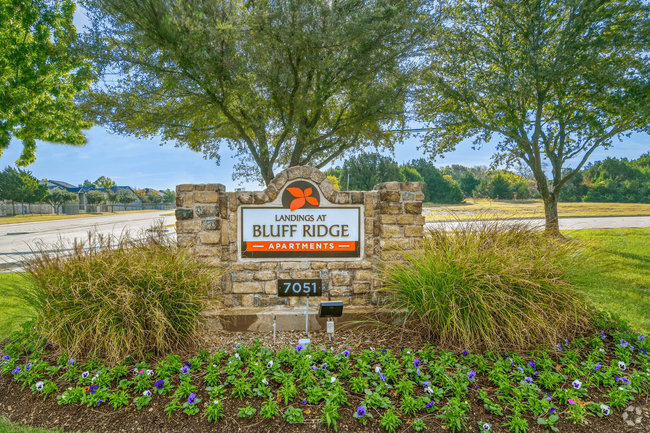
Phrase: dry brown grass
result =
(118, 296)
(490, 286)
(515, 209)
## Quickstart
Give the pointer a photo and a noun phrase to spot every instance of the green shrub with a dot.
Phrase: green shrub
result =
(489, 285)
(118, 296)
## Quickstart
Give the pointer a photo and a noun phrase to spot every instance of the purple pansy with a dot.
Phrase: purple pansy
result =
(16, 370)
(299, 347)
(191, 399)
(361, 411)
(598, 366)
(346, 353)
(624, 343)
(416, 363)
(93, 388)
(471, 375)
(429, 405)
(465, 353)
(160, 384)
(529, 380)
(532, 364)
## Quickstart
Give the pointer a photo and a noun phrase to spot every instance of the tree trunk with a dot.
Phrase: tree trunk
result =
(550, 211)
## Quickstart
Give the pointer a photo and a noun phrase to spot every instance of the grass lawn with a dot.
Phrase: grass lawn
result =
(37, 218)
(7, 426)
(13, 312)
(618, 278)
(471, 209)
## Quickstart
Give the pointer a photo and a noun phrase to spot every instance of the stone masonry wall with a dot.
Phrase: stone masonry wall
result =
(206, 220)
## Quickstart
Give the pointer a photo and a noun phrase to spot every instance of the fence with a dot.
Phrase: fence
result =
(7, 208)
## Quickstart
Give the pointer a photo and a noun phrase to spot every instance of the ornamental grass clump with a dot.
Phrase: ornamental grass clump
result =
(489, 285)
(120, 296)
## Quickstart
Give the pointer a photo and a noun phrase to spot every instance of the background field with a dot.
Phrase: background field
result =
(471, 208)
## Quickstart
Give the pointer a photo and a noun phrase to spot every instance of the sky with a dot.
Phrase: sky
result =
(142, 163)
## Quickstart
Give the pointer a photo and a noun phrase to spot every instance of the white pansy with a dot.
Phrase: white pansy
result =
(377, 369)
(265, 382)
(332, 379)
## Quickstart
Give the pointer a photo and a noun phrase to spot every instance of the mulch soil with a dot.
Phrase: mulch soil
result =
(23, 407)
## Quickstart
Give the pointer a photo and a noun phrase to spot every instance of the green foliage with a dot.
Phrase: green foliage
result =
(451, 290)
(113, 297)
(330, 415)
(409, 174)
(118, 399)
(367, 170)
(20, 186)
(283, 95)
(437, 188)
(293, 415)
(247, 412)
(95, 197)
(419, 425)
(269, 409)
(125, 197)
(390, 421)
(58, 197)
(105, 182)
(41, 75)
(169, 196)
(214, 411)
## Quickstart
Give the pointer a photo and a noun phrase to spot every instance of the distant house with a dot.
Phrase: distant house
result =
(83, 190)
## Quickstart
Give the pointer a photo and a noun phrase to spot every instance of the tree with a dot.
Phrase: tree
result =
(169, 196)
(367, 170)
(410, 174)
(499, 188)
(58, 197)
(152, 197)
(437, 188)
(125, 197)
(20, 186)
(283, 83)
(111, 197)
(105, 182)
(88, 184)
(40, 75)
(468, 183)
(553, 80)
(95, 198)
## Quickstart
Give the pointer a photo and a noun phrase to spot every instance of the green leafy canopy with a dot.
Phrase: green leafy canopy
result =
(283, 83)
(40, 74)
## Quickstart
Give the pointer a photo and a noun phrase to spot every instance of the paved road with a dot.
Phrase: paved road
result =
(570, 223)
(15, 239)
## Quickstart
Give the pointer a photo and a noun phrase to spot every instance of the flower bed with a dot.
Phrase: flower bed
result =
(383, 389)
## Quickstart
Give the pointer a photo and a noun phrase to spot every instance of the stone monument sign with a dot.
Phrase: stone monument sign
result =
(297, 235)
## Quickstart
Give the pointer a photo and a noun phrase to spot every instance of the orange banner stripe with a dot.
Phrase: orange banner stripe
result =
(302, 246)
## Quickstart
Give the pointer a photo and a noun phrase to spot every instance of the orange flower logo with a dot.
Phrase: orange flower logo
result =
(302, 197)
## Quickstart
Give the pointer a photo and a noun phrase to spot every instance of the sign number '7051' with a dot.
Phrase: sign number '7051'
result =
(300, 287)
